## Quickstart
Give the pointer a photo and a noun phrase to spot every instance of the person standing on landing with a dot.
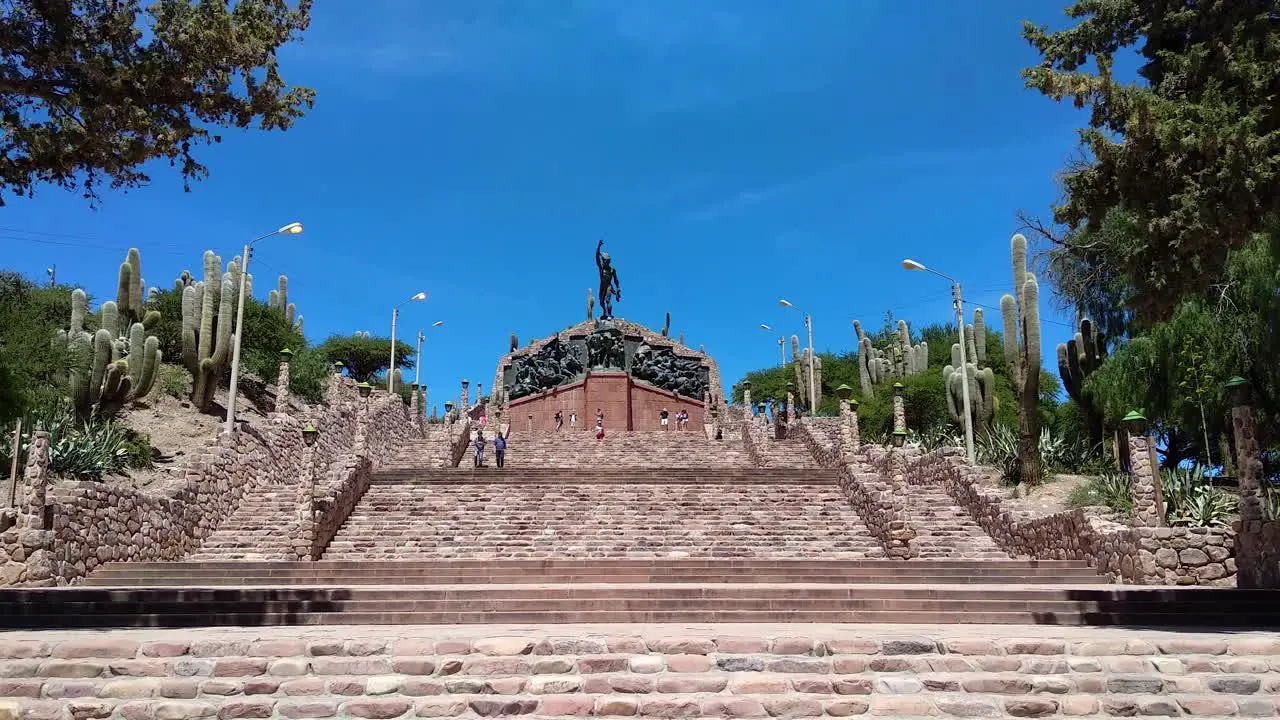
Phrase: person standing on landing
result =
(480, 448)
(500, 449)
(662, 419)
(573, 419)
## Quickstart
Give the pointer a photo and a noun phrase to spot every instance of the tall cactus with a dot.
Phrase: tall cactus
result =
(982, 391)
(864, 361)
(278, 299)
(900, 360)
(1077, 359)
(1021, 315)
(208, 313)
(118, 363)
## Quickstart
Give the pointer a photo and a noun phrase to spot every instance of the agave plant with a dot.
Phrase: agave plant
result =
(1192, 499)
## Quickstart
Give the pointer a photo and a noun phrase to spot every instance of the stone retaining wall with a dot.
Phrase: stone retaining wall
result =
(1142, 556)
(346, 483)
(672, 672)
(95, 523)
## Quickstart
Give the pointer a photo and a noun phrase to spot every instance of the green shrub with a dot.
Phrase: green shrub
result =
(172, 380)
(1113, 490)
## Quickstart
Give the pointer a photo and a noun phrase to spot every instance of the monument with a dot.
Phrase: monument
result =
(610, 288)
(626, 369)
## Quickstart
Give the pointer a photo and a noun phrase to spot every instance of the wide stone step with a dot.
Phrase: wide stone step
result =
(188, 607)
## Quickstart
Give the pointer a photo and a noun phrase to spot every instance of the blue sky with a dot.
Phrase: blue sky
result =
(729, 152)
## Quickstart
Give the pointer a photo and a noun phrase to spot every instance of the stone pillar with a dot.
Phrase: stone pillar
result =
(853, 427)
(465, 405)
(746, 400)
(1148, 507)
(361, 445)
(36, 479)
(791, 405)
(849, 441)
(899, 409)
(1256, 554)
(305, 539)
(282, 381)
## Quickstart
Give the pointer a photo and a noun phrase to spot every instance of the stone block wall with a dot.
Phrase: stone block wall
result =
(346, 483)
(1134, 555)
(1259, 553)
(872, 497)
(95, 523)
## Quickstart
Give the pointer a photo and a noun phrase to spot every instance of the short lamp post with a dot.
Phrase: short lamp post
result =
(448, 411)
(290, 229)
(1148, 503)
(365, 390)
(338, 367)
(307, 491)
(899, 438)
(283, 379)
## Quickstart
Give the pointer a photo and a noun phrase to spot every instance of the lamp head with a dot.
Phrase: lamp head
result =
(286, 355)
(310, 435)
(292, 228)
(365, 389)
(844, 392)
(1238, 390)
(765, 327)
(1135, 422)
(785, 303)
(910, 264)
(899, 438)
(419, 297)
(437, 323)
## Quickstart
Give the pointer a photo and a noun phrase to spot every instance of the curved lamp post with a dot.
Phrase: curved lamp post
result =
(909, 264)
(813, 387)
(395, 313)
(293, 228)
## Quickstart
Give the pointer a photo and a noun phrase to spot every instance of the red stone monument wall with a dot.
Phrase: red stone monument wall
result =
(627, 405)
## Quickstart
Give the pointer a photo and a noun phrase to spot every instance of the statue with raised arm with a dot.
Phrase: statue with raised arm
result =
(610, 288)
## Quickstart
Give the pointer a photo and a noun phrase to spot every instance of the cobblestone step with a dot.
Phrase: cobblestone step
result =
(657, 671)
(944, 530)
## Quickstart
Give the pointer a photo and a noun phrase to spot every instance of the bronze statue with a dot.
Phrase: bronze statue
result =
(610, 288)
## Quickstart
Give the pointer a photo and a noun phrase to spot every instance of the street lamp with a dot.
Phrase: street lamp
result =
(909, 264)
(293, 228)
(395, 313)
(813, 385)
(782, 354)
(417, 373)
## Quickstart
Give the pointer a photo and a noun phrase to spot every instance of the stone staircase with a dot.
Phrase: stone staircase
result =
(261, 528)
(943, 529)
(604, 512)
(641, 449)
(430, 452)
(789, 453)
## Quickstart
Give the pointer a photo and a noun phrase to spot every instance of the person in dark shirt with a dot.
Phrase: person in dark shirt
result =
(500, 448)
(663, 418)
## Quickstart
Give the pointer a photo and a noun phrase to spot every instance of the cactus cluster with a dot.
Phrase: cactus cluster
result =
(1077, 359)
(208, 316)
(982, 380)
(800, 362)
(901, 359)
(118, 363)
(1021, 314)
(278, 299)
